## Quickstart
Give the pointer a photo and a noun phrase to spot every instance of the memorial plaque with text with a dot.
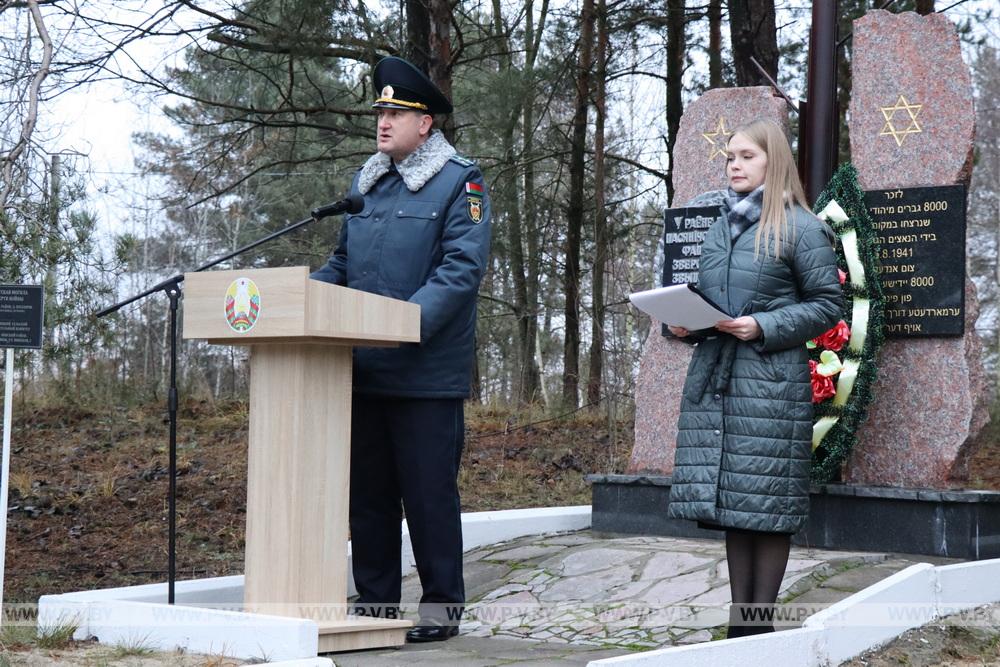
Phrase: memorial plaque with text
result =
(921, 235)
(21, 316)
(683, 231)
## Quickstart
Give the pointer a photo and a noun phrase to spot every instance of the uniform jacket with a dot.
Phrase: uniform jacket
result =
(417, 239)
(744, 441)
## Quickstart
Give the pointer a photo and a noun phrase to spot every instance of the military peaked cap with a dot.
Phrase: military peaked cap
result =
(403, 86)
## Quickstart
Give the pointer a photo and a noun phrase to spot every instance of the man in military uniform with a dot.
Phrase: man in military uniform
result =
(423, 236)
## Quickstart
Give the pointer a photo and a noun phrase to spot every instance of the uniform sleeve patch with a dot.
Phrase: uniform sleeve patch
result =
(475, 209)
(474, 195)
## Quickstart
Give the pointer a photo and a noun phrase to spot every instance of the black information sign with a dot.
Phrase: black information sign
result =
(20, 316)
(683, 231)
(922, 252)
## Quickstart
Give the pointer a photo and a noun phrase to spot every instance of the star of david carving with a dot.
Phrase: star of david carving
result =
(910, 110)
(717, 139)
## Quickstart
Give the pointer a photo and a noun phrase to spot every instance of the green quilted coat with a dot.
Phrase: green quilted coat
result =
(744, 441)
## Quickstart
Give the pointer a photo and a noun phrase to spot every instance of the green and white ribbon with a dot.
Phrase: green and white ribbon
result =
(830, 364)
(845, 381)
(849, 241)
(821, 428)
(842, 204)
(833, 212)
(859, 325)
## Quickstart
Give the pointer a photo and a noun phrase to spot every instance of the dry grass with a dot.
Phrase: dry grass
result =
(20, 483)
(93, 511)
(92, 506)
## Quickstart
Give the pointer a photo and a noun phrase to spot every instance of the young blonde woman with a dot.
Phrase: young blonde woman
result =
(745, 428)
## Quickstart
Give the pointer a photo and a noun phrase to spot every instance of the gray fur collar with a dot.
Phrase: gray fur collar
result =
(419, 166)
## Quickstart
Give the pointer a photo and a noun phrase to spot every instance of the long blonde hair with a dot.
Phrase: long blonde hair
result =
(782, 187)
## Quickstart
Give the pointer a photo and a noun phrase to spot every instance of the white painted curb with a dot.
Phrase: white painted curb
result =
(965, 584)
(162, 627)
(910, 598)
(309, 662)
(216, 590)
(846, 637)
(138, 615)
(794, 647)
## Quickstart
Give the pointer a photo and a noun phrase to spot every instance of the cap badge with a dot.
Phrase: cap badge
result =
(388, 92)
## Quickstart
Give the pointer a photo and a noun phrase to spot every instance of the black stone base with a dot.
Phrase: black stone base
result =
(953, 524)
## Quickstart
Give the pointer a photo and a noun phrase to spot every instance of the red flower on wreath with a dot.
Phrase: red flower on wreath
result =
(835, 338)
(822, 386)
(842, 276)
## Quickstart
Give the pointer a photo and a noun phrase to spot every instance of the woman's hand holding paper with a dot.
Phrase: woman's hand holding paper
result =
(744, 328)
(680, 332)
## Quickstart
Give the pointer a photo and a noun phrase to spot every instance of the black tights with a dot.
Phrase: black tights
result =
(756, 567)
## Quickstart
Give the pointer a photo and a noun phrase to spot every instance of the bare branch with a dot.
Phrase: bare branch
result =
(360, 55)
(31, 113)
(220, 20)
(637, 165)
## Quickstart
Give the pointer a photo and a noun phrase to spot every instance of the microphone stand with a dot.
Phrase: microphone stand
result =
(172, 288)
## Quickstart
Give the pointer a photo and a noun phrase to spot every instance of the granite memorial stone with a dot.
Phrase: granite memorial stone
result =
(699, 166)
(912, 120)
(912, 125)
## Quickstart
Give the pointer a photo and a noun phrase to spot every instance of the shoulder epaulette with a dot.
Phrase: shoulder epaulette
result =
(458, 159)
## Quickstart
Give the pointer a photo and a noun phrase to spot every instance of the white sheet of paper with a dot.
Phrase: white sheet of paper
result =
(678, 305)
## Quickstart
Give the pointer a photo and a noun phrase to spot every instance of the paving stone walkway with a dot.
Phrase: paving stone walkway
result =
(571, 598)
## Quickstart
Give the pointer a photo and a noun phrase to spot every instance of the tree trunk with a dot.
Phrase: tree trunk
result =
(715, 44)
(50, 252)
(675, 75)
(600, 215)
(428, 29)
(418, 34)
(523, 310)
(532, 376)
(440, 61)
(925, 7)
(754, 35)
(520, 228)
(476, 382)
(574, 213)
(532, 388)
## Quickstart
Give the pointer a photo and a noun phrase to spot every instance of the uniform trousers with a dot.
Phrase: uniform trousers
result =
(405, 454)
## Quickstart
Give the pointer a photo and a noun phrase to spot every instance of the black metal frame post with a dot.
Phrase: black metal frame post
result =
(820, 119)
(174, 293)
(172, 287)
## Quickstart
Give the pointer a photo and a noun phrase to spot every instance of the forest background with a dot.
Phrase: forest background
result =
(570, 108)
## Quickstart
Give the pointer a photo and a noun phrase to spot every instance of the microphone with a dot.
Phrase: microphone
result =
(352, 204)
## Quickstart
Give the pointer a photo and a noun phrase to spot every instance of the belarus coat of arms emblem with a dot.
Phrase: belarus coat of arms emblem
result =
(242, 305)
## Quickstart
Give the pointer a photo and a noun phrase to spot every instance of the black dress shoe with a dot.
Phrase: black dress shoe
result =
(431, 633)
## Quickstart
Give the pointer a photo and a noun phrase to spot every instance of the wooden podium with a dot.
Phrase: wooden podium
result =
(300, 332)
